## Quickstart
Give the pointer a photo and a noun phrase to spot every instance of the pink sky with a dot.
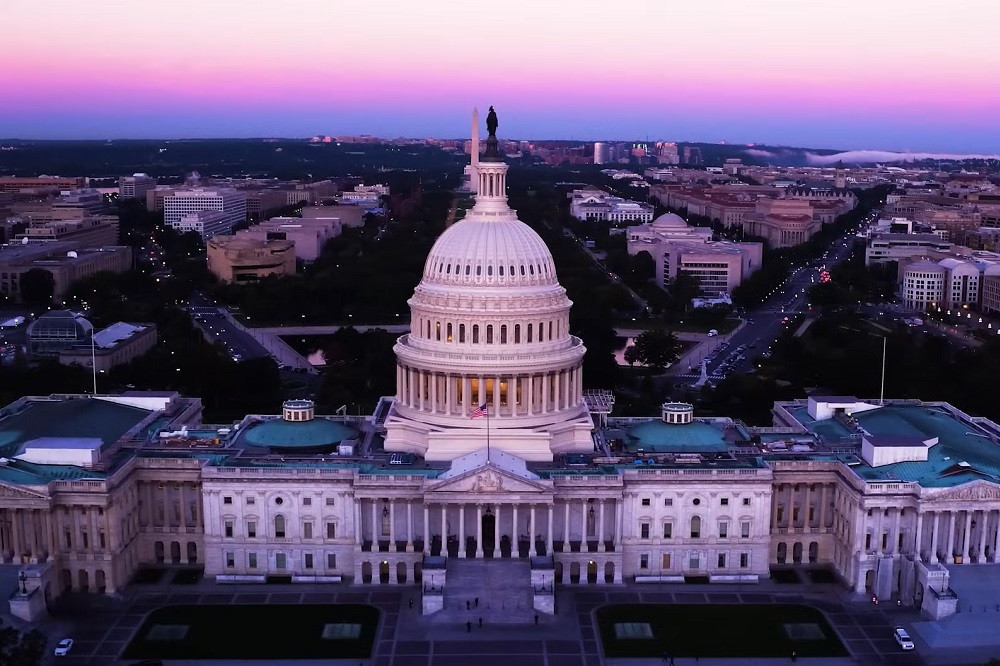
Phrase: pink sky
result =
(786, 71)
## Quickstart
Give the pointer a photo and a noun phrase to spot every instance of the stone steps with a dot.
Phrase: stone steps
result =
(503, 587)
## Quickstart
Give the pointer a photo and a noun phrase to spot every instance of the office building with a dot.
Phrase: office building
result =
(67, 262)
(242, 259)
(231, 203)
(135, 186)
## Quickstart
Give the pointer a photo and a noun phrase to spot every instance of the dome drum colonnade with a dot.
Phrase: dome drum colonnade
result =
(490, 325)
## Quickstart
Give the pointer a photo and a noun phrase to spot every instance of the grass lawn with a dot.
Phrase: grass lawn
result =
(716, 630)
(255, 631)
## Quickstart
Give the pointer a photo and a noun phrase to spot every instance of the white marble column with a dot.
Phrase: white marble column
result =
(466, 394)
(449, 393)
(515, 550)
(530, 402)
(934, 536)
(409, 526)
(600, 528)
(548, 538)
(996, 540)
(495, 407)
(496, 523)
(619, 525)
(894, 546)
(984, 522)
(479, 531)
(461, 530)
(392, 526)
(824, 501)
(357, 522)
(584, 537)
(545, 393)
(427, 534)
(918, 536)
(444, 530)
(806, 523)
(376, 526)
(950, 552)
(434, 391)
(966, 556)
(566, 527)
(531, 548)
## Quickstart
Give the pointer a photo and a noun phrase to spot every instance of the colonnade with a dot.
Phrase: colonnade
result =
(28, 535)
(958, 536)
(785, 499)
(508, 395)
(584, 522)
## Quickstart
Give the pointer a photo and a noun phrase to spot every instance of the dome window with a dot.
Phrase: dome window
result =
(531, 268)
(461, 332)
(449, 332)
(522, 269)
(500, 268)
(449, 269)
(489, 271)
(468, 269)
(503, 334)
(512, 270)
(489, 334)
(517, 334)
(475, 334)
(479, 271)
(529, 332)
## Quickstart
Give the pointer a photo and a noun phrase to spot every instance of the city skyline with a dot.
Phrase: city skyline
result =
(779, 73)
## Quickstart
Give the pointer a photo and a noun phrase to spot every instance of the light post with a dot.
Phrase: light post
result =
(24, 582)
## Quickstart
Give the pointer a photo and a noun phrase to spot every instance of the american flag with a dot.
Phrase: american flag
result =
(479, 413)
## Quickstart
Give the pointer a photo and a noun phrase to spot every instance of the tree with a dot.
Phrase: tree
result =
(19, 649)
(37, 287)
(657, 349)
(642, 266)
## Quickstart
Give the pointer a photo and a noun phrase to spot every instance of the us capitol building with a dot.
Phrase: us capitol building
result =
(492, 455)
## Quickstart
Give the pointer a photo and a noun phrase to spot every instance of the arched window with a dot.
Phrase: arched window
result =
(461, 332)
(489, 270)
(522, 269)
(279, 527)
(503, 334)
(475, 334)
(512, 270)
(550, 330)
(541, 330)
(489, 334)
(479, 270)
(437, 331)
(428, 329)
(501, 270)
(468, 269)
(449, 269)
(695, 527)
(449, 332)
(531, 269)
(517, 334)
(529, 332)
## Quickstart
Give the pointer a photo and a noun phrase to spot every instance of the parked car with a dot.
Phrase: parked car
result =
(64, 646)
(903, 638)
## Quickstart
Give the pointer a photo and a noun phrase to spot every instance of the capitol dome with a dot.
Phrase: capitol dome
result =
(669, 220)
(489, 327)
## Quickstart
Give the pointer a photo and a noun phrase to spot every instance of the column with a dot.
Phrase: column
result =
(566, 527)
(894, 532)
(376, 529)
(427, 535)
(461, 530)
(412, 385)
(934, 536)
(15, 535)
(806, 523)
(545, 393)
(548, 538)
(996, 540)
(531, 394)
(600, 528)
(619, 523)
(466, 394)
(584, 546)
(515, 549)
(434, 391)
(496, 396)
(774, 506)
(444, 529)
(531, 547)
(481, 395)
(479, 530)
(823, 502)
(409, 526)
(918, 536)
(966, 555)
(449, 393)
(790, 509)
(392, 526)
(496, 517)
(950, 544)
(357, 521)
(95, 544)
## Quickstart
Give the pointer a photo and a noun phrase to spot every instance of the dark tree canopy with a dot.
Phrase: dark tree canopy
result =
(37, 287)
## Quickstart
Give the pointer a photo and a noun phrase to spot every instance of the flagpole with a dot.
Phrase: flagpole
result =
(487, 432)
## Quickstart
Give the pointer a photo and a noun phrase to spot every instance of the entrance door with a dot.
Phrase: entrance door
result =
(489, 535)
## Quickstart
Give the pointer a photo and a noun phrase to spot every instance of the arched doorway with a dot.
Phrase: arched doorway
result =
(366, 572)
(192, 551)
(489, 535)
(592, 572)
(813, 552)
(418, 572)
(505, 547)
(918, 596)
(383, 572)
(175, 552)
(83, 580)
(66, 578)
(559, 572)
(401, 572)
(870, 580)
(797, 552)
(782, 553)
(436, 545)
(609, 572)
(158, 552)
(574, 572)
(100, 581)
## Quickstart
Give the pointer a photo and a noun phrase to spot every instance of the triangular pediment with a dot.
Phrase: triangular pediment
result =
(9, 492)
(973, 491)
(489, 479)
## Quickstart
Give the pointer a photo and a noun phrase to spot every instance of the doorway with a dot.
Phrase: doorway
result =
(489, 532)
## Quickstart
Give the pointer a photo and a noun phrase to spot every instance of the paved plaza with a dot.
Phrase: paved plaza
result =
(103, 627)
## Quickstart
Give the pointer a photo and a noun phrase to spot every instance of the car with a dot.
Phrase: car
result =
(63, 648)
(903, 638)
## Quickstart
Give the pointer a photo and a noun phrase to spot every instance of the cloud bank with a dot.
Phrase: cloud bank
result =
(868, 156)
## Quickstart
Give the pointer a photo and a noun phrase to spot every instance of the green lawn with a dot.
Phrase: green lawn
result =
(716, 630)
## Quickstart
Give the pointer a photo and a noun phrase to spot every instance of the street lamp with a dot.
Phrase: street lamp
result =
(24, 582)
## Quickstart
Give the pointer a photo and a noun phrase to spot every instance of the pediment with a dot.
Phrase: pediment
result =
(489, 480)
(971, 492)
(9, 492)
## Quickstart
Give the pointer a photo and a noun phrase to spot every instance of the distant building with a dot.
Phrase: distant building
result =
(692, 155)
(262, 204)
(602, 153)
(156, 196)
(206, 223)
(895, 246)
(135, 186)
(88, 201)
(90, 231)
(592, 204)
(718, 266)
(666, 153)
(782, 222)
(57, 330)
(232, 203)
(117, 344)
(49, 183)
(239, 259)
(66, 261)
(308, 234)
(350, 216)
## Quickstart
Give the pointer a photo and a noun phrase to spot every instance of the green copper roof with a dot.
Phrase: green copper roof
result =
(77, 418)
(291, 435)
(673, 437)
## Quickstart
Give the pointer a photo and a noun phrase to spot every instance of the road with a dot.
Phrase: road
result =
(766, 322)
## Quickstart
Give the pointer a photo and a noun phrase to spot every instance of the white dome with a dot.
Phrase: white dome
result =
(504, 252)
(669, 220)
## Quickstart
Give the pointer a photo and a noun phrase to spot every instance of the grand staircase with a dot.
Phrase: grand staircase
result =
(503, 587)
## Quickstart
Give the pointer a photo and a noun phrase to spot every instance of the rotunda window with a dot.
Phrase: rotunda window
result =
(449, 331)
(475, 334)
(503, 334)
(500, 267)
(531, 268)
(522, 269)
(461, 332)
(489, 271)
(529, 332)
(479, 270)
(489, 334)
(449, 269)
(437, 331)
(541, 331)
(468, 269)
(512, 270)
(517, 333)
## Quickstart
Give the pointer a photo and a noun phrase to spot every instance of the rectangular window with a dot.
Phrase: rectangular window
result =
(693, 561)
(868, 541)
(84, 539)
(251, 501)
(668, 530)
(744, 560)
(745, 529)
(780, 514)
(644, 561)
(307, 531)
(722, 561)
(724, 501)
(227, 500)
(229, 529)
(252, 560)
(251, 529)
(307, 501)
(279, 560)
(885, 540)
(329, 501)
(644, 531)
(666, 561)
(230, 560)
(307, 560)
(668, 501)
(812, 514)
(331, 530)
(723, 530)
(100, 539)
(331, 560)
(645, 501)
(795, 514)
